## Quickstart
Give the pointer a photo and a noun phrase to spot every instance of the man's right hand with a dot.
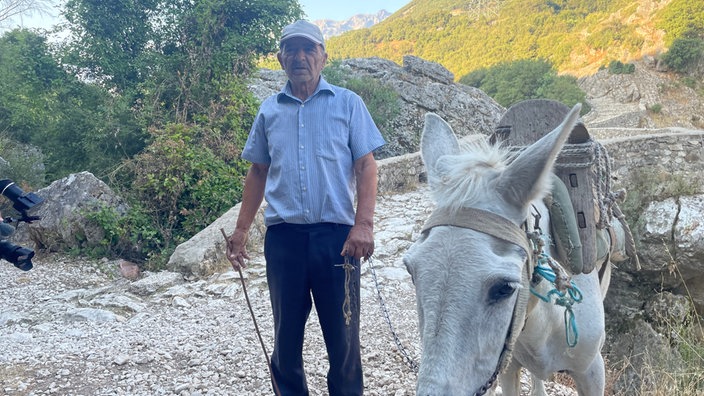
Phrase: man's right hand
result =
(237, 250)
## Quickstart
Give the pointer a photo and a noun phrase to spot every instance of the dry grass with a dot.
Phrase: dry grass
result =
(662, 378)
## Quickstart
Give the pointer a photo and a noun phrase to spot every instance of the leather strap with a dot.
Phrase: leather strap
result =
(482, 221)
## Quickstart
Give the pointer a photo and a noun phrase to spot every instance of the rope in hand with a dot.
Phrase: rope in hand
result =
(346, 305)
(254, 319)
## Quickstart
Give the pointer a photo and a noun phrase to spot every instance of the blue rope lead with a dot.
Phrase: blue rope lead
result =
(567, 300)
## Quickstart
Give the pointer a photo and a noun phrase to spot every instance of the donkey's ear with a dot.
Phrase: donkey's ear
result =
(437, 140)
(527, 177)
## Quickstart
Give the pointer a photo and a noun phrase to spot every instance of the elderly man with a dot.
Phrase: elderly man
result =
(311, 149)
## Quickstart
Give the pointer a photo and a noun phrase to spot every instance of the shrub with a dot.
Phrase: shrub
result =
(656, 108)
(689, 82)
(188, 176)
(512, 82)
(618, 67)
(22, 163)
(130, 236)
(684, 54)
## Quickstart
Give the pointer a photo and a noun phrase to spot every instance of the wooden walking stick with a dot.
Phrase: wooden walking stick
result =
(254, 319)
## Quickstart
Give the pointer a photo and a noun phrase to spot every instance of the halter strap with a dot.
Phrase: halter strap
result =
(482, 221)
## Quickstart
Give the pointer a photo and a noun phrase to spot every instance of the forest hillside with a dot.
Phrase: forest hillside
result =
(577, 36)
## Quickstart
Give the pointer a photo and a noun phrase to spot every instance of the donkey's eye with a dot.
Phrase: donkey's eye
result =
(501, 291)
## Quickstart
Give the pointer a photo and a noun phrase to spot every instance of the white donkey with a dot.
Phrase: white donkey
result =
(473, 270)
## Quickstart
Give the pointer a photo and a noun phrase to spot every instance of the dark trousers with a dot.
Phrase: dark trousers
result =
(304, 266)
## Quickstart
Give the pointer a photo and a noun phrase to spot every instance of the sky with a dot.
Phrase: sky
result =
(337, 10)
(340, 10)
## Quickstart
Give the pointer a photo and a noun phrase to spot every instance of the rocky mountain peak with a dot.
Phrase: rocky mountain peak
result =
(332, 28)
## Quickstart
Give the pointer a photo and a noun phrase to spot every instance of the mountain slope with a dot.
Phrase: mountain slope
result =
(577, 36)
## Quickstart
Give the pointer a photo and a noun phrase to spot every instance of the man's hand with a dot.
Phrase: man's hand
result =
(236, 249)
(359, 243)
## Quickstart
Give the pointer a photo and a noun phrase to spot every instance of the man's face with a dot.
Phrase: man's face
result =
(302, 59)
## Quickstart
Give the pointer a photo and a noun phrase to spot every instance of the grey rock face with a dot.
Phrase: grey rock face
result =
(672, 245)
(65, 222)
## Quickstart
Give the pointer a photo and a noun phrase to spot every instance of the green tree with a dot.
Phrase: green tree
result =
(68, 120)
(27, 74)
(109, 40)
(685, 53)
(184, 80)
(512, 82)
(167, 55)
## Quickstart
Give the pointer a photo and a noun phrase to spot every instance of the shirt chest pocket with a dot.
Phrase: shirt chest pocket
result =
(332, 145)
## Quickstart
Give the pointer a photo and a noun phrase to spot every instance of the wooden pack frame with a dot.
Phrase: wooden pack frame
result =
(526, 122)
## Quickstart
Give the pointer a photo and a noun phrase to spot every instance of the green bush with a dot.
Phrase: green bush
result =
(618, 67)
(188, 176)
(512, 82)
(127, 235)
(176, 188)
(689, 82)
(181, 184)
(684, 54)
(22, 163)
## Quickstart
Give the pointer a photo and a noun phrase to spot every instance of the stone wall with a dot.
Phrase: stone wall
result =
(401, 173)
(404, 172)
(678, 154)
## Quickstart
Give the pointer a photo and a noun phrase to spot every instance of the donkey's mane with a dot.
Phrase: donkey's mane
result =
(466, 176)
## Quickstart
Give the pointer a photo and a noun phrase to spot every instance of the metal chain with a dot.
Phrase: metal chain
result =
(488, 385)
(406, 356)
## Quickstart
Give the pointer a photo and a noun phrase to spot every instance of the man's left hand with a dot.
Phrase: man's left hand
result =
(360, 242)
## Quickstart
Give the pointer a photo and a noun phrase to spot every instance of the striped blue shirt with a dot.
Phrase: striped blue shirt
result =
(310, 148)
